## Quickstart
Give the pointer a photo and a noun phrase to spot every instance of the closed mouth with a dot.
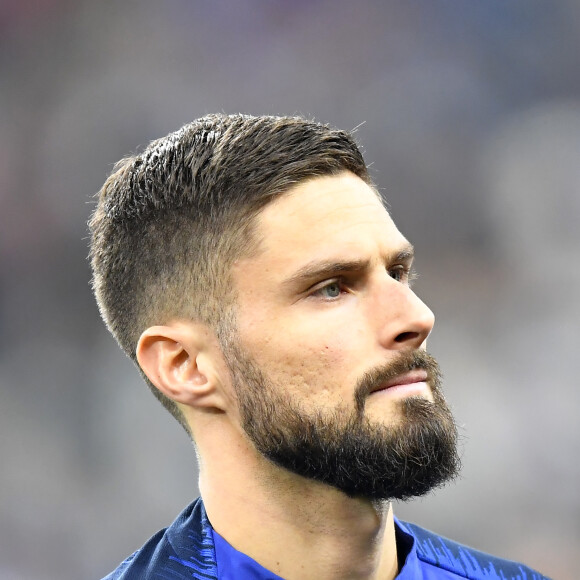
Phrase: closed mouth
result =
(414, 376)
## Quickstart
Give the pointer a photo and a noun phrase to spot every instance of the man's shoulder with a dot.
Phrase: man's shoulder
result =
(183, 550)
(463, 561)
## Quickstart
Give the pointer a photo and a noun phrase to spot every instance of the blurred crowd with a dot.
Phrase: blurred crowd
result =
(469, 113)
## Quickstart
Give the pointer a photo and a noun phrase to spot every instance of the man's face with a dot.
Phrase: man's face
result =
(328, 355)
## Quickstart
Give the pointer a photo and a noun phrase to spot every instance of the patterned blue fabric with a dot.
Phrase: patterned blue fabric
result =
(234, 565)
(184, 550)
(187, 549)
(435, 558)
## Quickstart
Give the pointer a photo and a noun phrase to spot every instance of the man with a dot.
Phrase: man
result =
(250, 268)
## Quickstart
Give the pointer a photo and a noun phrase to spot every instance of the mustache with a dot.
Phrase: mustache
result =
(407, 361)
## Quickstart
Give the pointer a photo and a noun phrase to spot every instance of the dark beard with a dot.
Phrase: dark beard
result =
(343, 448)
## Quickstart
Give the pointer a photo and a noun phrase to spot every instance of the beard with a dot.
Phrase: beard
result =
(342, 447)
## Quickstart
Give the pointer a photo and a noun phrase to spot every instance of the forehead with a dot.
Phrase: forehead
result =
(326, 214)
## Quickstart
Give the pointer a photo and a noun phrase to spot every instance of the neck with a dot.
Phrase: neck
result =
(297, 528)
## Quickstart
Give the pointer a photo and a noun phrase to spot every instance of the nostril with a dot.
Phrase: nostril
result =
(405, 336)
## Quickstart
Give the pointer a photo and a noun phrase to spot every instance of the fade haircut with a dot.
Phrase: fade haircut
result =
(170, 221)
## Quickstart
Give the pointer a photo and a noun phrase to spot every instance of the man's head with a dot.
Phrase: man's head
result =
(267, 233)
(171, 221)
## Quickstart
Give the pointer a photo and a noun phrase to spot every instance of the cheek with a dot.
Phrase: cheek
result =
(304, 369)
(311, 355)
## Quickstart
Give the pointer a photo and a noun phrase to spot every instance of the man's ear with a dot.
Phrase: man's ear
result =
(181, 360)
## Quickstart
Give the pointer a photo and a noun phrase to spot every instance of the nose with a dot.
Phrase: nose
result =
(405, 320)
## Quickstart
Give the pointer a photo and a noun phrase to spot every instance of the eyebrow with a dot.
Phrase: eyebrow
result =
(328, 268)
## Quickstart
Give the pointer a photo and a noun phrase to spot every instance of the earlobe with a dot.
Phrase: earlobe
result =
(175, 358)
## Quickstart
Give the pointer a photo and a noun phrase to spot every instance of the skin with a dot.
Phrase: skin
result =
(325, 299)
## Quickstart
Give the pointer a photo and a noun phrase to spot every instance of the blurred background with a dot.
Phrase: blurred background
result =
(469, 113)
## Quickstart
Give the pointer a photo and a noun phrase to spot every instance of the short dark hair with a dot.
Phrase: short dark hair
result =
(170, 220)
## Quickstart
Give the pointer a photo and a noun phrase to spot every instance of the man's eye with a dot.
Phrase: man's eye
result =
(397, 274)
(331, 290)
(401, 274)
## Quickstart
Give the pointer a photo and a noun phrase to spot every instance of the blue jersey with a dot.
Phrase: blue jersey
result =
(190, 549)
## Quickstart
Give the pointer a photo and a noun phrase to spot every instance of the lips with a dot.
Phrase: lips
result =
(415, 376)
